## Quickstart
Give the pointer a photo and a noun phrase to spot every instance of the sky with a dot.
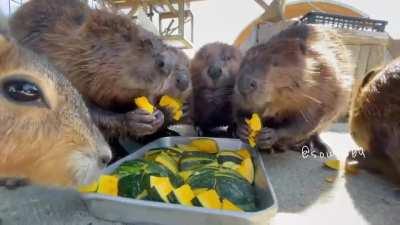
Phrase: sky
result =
(223, 20)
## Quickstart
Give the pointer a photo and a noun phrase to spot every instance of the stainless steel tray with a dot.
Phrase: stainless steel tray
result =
(148, 212)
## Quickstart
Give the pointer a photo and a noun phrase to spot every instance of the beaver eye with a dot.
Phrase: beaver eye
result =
(227, 58)
(22, 91)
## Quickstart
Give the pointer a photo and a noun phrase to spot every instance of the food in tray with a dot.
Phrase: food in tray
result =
(207, 177)
(255, 126)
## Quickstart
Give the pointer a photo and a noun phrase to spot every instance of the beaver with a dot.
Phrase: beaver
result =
(46, 133)
(299, 82)
(214, 69)
(374, 121)
(108, 58)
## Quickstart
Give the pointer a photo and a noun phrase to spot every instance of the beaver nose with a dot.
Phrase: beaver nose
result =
(247, 85)
(214, 72)
(182, 81)
(163, 64)
(104, 160)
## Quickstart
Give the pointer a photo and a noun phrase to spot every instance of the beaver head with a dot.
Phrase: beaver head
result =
(46, 134)
(215, 65)
(179, 84)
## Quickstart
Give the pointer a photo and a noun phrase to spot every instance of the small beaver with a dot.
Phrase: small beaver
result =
(214, 69)
(108, 58)
(375, 121)
(298, 82)
(46, 134)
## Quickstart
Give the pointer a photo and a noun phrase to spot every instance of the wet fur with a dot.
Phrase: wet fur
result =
(304, 78)
(213, 100)
(108, 58)
(374, 120)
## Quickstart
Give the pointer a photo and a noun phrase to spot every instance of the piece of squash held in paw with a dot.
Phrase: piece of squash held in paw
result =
(208, 199)
(160, 188)
(182, 195)
(255, 126)
(108, 185)
(333, 164)
(244, 153)
(167, 161)
(175, 105)
(89, 188)
(205, 145)
(144, 103)
(246, 170)
(228, 205)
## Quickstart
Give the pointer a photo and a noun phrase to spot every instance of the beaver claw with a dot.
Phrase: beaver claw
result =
(140, 123)
(267, 138)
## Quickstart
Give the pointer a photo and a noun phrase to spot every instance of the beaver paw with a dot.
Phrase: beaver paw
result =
(13, 183)
(242, 132)
(267, 138)
(140, 123)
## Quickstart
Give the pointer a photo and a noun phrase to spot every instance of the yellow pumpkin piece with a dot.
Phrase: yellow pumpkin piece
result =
(184, 195)
(197, 191)
(108, 185)
(255, 126)
(187, 148)
(162, 187)
(228, 205)
(205, 145)
(246, 169)
(244, 153)
(167, 161)
(144, 103)
(185, 174)
(352, 167)
(89, 188)
(208, 199)
(332, 164)
(174, 104)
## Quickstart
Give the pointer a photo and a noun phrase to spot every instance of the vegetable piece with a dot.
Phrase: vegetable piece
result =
(255, 126)
(167, 161)
(92, 187)
(333, 164)
(144, 103)
(246, 169)
(131, 186)
(186, 147)
(182, 195)
(228, 205)
(108, 185)
(244, 153)
(229, 156)
(205, 145)
(208, 199)
(197, 191)
(186, 174)
(352, 167)
(195, 161)
(160, 188)
(173, 104)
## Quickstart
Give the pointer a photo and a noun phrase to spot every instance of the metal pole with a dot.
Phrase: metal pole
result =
(181, 16)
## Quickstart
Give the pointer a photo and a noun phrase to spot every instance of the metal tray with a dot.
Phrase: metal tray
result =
(148, 212)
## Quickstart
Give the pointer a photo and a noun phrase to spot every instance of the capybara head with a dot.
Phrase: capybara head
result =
(179, 84)
(46, 134)
(215, 65)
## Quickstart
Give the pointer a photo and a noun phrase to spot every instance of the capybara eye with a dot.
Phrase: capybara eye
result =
(22, 91)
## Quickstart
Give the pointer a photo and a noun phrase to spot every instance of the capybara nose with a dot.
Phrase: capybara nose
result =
(163, 64)
(182, 81)
(214, 72)
(247, 85)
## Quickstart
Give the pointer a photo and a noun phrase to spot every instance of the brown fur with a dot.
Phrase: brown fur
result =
(108, 58)
(51, 141)
(299, 82)
(213, 97)
(374, 120)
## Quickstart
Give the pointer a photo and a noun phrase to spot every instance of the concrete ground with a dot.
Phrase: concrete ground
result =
(304, 196)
